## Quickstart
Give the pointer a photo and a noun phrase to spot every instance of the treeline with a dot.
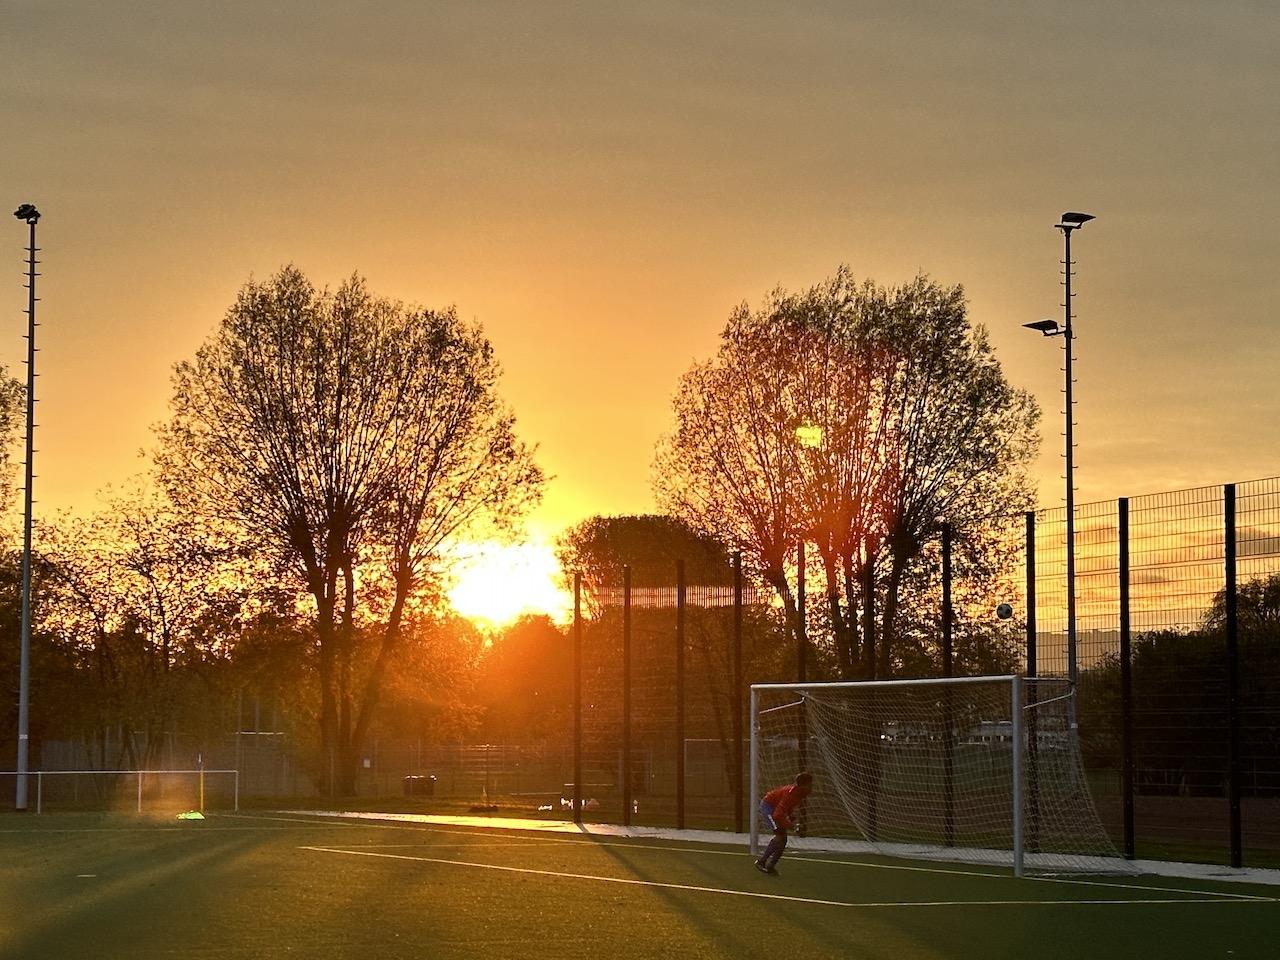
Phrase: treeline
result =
(326, 451)
(1180, 699)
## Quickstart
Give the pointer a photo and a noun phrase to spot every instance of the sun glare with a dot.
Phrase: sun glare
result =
(496, 583)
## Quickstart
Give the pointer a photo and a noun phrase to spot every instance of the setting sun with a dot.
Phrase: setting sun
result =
(496, 583)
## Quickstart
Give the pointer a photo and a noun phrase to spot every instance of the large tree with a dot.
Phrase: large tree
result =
(358, 437)
(853, 418)
(1179, 699)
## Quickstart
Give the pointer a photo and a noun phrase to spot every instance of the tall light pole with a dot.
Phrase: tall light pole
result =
(30, 215)
(1068, 223)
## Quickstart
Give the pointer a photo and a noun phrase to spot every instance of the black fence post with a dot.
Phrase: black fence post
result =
(802, 643)
(1031, 593)
(628, 803)
(576, 799)
(1033, 742)
(802, 627)
(948, 667)
(1233, 678)
(680, 771)
(1126, 687)
(737, 694)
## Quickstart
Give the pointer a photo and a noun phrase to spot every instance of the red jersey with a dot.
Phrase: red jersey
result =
(783, 800)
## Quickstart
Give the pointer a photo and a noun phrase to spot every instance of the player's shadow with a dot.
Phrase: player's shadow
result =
(706, 877)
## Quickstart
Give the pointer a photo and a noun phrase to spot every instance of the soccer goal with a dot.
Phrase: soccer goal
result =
(139, 790)
(970, 769)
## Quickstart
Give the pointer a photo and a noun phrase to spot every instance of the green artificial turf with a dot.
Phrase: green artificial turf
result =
(262, 885)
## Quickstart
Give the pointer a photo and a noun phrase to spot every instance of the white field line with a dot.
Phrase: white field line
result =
(802, 848)
(689, 888)
(803, 858)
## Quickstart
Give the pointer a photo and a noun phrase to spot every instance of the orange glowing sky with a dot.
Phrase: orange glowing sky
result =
(600, 183)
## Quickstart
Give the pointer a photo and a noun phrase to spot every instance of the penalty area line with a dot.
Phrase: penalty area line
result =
(753, 894)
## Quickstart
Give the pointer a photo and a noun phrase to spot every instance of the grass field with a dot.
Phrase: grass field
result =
(289, 885)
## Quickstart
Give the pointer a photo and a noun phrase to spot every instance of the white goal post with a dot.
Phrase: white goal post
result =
(970, 769)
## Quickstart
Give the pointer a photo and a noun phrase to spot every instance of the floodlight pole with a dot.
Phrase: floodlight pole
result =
(28, 213)
(1068, 223)
(1049, 328)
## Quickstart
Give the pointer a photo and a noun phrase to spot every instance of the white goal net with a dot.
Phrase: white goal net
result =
(972, 769)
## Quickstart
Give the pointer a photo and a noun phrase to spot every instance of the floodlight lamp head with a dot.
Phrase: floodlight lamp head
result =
(1049, 328)
(1071, 221)
(27, 212)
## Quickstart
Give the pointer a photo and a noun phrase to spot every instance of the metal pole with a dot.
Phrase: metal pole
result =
(802, 634)
(948, 719)
(627, 800)
(1071, 472)
(1017, 785)
(28, 213)
(1033, 751)
(947, 613)
(1031, 593)
(1233, 678)
(576, 799)
(680, 767)
(755, 774)
(737, 692)
(1126, 688)
(802, 640)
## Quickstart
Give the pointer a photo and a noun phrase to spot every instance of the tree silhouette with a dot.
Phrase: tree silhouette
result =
(358, 437)
(855, 419)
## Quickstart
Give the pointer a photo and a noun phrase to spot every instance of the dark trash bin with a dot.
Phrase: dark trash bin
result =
(419, 786)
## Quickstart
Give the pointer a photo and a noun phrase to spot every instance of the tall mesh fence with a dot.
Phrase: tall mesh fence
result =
(661, 689)
(1257, 560)
(1177, 576)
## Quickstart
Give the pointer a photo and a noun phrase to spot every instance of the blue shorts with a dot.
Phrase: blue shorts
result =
(766, 814)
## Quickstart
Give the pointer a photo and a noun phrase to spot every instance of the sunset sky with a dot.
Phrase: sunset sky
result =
(600, 183)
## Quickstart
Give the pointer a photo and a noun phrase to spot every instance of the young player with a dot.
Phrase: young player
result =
(775, 811)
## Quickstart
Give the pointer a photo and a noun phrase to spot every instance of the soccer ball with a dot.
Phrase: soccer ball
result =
(1004, 611)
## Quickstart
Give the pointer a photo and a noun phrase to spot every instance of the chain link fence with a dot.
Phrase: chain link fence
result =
(1178, 660)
